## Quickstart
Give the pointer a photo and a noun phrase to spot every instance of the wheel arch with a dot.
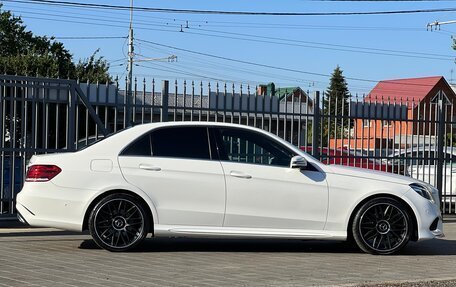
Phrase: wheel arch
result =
(414, 236)
(99, 197)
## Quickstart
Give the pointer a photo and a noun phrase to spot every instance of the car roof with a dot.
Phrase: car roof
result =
(186, 123)
(118, 140)
(446, 149)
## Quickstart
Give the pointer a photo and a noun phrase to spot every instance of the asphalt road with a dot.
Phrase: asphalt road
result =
(47, 257)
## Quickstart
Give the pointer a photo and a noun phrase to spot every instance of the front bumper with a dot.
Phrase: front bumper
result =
(428, 217)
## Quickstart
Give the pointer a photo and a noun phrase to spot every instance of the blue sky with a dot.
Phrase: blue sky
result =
(315, 44)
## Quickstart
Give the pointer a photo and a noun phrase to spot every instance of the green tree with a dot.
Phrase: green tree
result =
(26, 54)
(335, 103)
(93, 69)
(23, 53)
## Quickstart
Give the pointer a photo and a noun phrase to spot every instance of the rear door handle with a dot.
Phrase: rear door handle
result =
(240, 174)
(149, 167)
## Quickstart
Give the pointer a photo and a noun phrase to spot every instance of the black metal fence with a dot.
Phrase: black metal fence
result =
(41, 115)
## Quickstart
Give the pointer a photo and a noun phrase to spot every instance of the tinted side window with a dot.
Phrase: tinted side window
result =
(140, 147)
(181, 142)
(250, 147)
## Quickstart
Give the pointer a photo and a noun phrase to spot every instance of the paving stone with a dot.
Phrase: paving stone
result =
(53, 258)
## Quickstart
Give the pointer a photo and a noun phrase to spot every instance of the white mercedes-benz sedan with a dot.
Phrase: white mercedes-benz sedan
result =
(221, 180)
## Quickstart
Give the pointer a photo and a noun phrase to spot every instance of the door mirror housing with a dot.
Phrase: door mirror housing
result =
(298, 162)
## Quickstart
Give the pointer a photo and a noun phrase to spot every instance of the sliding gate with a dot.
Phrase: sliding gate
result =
(38, 115)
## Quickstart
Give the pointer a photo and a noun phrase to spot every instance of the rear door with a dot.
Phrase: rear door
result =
(174, 166)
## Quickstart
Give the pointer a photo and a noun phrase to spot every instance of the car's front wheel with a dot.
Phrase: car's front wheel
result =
(119, 222)
(382, 226)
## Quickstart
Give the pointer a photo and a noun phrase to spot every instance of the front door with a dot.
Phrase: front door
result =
(262, 190)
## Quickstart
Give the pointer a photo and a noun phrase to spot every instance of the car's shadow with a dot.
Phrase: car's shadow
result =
(431, 247)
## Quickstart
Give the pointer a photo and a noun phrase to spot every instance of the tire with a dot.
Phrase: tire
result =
(119, 222)
(382, 226)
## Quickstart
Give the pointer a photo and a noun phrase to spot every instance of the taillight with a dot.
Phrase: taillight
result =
(42, 173)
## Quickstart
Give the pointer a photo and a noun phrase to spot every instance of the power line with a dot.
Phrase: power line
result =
(331, 46)
(378, 0)
(250, 63)
(345, 48)
(231, 24)
(97, 24)
(118, 60)
(273, 67)
(87, 37)
(217, 66)
(294, 41)
(181, 72)
(115, 19)
(221, 12)
(200, 62)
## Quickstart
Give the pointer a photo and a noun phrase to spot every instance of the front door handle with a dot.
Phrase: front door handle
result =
(149, 167)
(240, 174)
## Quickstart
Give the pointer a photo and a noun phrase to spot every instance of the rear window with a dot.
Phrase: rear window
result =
(178, 142)
(140, 147)
(181, 142)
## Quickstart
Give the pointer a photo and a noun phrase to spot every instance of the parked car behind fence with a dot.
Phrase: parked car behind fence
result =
(421, 163)
(351, 158)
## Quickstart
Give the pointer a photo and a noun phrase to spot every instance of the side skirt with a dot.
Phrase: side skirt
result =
(232, 232)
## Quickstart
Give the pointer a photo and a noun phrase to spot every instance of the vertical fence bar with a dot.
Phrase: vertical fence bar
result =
(271, 103)
(232, 102)
(201, 106)
(440, 142)
(248, 105)
(292, 118)
(217, 95)
(241, 96)
(152, 100)
(300, 119)
(71, 119)
(165, 99)
(208, 114)
(285, 115)
(143, 104)
(184, 96)
(116, 102)
(192, 103)
(176, 91)
(450, 189)
(316, 126)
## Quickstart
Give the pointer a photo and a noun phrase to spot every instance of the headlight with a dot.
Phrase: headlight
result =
(422, 190)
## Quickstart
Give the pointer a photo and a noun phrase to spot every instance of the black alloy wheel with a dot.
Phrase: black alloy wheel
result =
(119, 222)
(382, 226)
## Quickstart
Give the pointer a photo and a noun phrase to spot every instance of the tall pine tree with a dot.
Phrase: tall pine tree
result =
(335, 103)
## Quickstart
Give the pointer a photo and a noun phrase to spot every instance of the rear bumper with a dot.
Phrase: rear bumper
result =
(26, 217)
(22, 219)
(47, 205)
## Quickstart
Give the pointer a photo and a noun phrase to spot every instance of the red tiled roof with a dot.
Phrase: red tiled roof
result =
(403, 90)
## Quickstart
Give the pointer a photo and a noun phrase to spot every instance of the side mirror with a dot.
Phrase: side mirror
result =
(298, 162)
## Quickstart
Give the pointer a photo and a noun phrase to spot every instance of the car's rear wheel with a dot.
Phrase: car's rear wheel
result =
(382, 226)
(119, 222)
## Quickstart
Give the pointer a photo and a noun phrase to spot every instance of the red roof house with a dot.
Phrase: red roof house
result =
(419, 95)
(409, 91)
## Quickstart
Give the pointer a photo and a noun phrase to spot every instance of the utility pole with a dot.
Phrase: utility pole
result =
(436, 24)
(130, 68)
